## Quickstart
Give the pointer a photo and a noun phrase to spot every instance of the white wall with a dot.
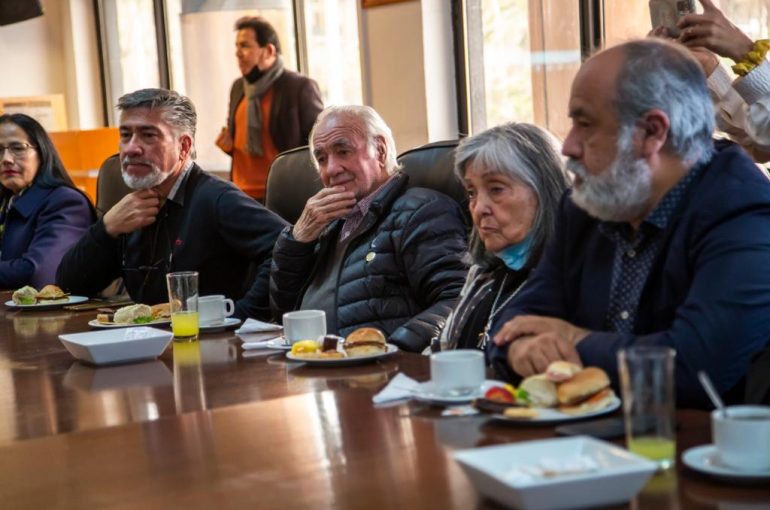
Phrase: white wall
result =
(394, 75)
(408, 68)
(55, 54)
(32, 56)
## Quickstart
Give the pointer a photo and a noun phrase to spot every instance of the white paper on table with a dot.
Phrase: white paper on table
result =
(255, 326)
(399, 388)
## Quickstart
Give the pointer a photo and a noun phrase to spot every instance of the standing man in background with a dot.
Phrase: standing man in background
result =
(271, 109)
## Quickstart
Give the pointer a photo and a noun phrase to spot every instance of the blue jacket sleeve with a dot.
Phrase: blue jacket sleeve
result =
(59, 223)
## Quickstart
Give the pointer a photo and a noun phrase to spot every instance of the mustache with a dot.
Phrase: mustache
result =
(575, 167)
(135, 161)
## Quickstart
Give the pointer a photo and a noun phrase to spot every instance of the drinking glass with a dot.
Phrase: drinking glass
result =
(647, 384)
(183, 301)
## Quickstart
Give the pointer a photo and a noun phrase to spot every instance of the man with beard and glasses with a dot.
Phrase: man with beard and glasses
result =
(179, 218)
(664, 240)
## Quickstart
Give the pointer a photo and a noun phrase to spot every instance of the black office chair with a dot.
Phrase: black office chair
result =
(110, 187)
(292, 179)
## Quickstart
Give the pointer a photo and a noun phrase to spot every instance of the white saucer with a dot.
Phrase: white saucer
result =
(229, 322)
(705, 460)
(425, 393)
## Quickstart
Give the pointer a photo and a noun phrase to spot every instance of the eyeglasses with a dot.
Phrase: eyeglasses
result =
(18, 149)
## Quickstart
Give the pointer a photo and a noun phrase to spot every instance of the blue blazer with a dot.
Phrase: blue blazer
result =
(39, 229)
(707, 295)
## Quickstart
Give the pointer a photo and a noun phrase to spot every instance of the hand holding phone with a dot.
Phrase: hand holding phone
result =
(666, 13)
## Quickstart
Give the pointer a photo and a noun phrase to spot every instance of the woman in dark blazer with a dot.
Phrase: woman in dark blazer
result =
(42, 213)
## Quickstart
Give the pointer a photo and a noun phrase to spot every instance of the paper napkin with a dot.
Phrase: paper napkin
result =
(399, 388)
(255, 326)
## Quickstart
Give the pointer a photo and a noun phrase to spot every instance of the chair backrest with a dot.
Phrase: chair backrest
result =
(110, 187)
(291, 181)
(432, 166)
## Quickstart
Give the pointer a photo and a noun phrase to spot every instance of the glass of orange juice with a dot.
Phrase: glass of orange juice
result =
(647, 384)
(183, 301)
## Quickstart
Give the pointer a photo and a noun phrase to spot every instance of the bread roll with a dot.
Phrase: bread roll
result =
(595, 403)
(560, 371)
(582, 385)
(161, 311)
(129, 314)
(541, 391)
(364, 342)
(51, 292)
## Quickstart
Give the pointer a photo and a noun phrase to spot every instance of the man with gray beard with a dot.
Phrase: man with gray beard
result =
(664, 241)
(179, 218)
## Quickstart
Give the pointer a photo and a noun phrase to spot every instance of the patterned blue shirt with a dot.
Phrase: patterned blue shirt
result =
(634, 255)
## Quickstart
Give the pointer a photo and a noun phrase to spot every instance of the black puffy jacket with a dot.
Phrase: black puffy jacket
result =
(402, 272)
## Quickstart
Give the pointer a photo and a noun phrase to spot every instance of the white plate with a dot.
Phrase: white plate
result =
(339, 362)
(705, 460)
(230, 322)
(71, 300)
(424, 393)
(546, 415)
(111, 325)
(117, 345)
(616, 477)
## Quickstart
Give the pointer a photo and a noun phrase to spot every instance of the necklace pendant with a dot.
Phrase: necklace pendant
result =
(483, 339)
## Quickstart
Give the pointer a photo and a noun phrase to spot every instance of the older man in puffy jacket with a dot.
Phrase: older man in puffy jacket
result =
(368, 250)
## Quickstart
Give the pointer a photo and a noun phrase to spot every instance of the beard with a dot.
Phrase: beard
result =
(155, 177)
(619, 194)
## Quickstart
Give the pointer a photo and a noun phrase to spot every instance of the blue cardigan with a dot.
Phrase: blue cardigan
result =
(708, 293)
(42, 224)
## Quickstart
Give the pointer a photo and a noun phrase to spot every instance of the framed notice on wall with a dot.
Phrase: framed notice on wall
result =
(49, 111)
(374, 3)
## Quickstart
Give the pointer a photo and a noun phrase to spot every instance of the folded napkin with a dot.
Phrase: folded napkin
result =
(255, 326)
(265, 340)
(399, 388)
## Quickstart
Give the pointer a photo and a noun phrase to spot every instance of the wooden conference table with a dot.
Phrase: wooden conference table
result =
(209, 425)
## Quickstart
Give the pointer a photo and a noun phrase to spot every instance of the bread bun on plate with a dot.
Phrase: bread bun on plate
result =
(365, 342)
(541, 391)
(560, 371)
(582, 385)
(134, 314)
(50, 292)
(593, 403)
(161, 311)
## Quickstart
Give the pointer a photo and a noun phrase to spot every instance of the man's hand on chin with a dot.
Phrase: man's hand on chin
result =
(537, 341)
(321, 209)
(134, 211)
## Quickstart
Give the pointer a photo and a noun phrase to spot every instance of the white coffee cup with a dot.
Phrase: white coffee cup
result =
(457, 373)
(212, 310)
(304, 325)
(742, 437)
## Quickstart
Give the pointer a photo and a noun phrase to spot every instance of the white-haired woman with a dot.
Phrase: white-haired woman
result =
(515, 177)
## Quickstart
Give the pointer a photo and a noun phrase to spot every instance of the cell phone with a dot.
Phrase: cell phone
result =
(606, 428)
(668, 12)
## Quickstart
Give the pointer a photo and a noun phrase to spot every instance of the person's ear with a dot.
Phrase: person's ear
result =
(272, 51)
(382, 150)
(185, 146)
(655, 126)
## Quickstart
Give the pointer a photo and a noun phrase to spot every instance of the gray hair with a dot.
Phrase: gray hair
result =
(526, 154)
(373, 125)
(660, 75)
(176, 110)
